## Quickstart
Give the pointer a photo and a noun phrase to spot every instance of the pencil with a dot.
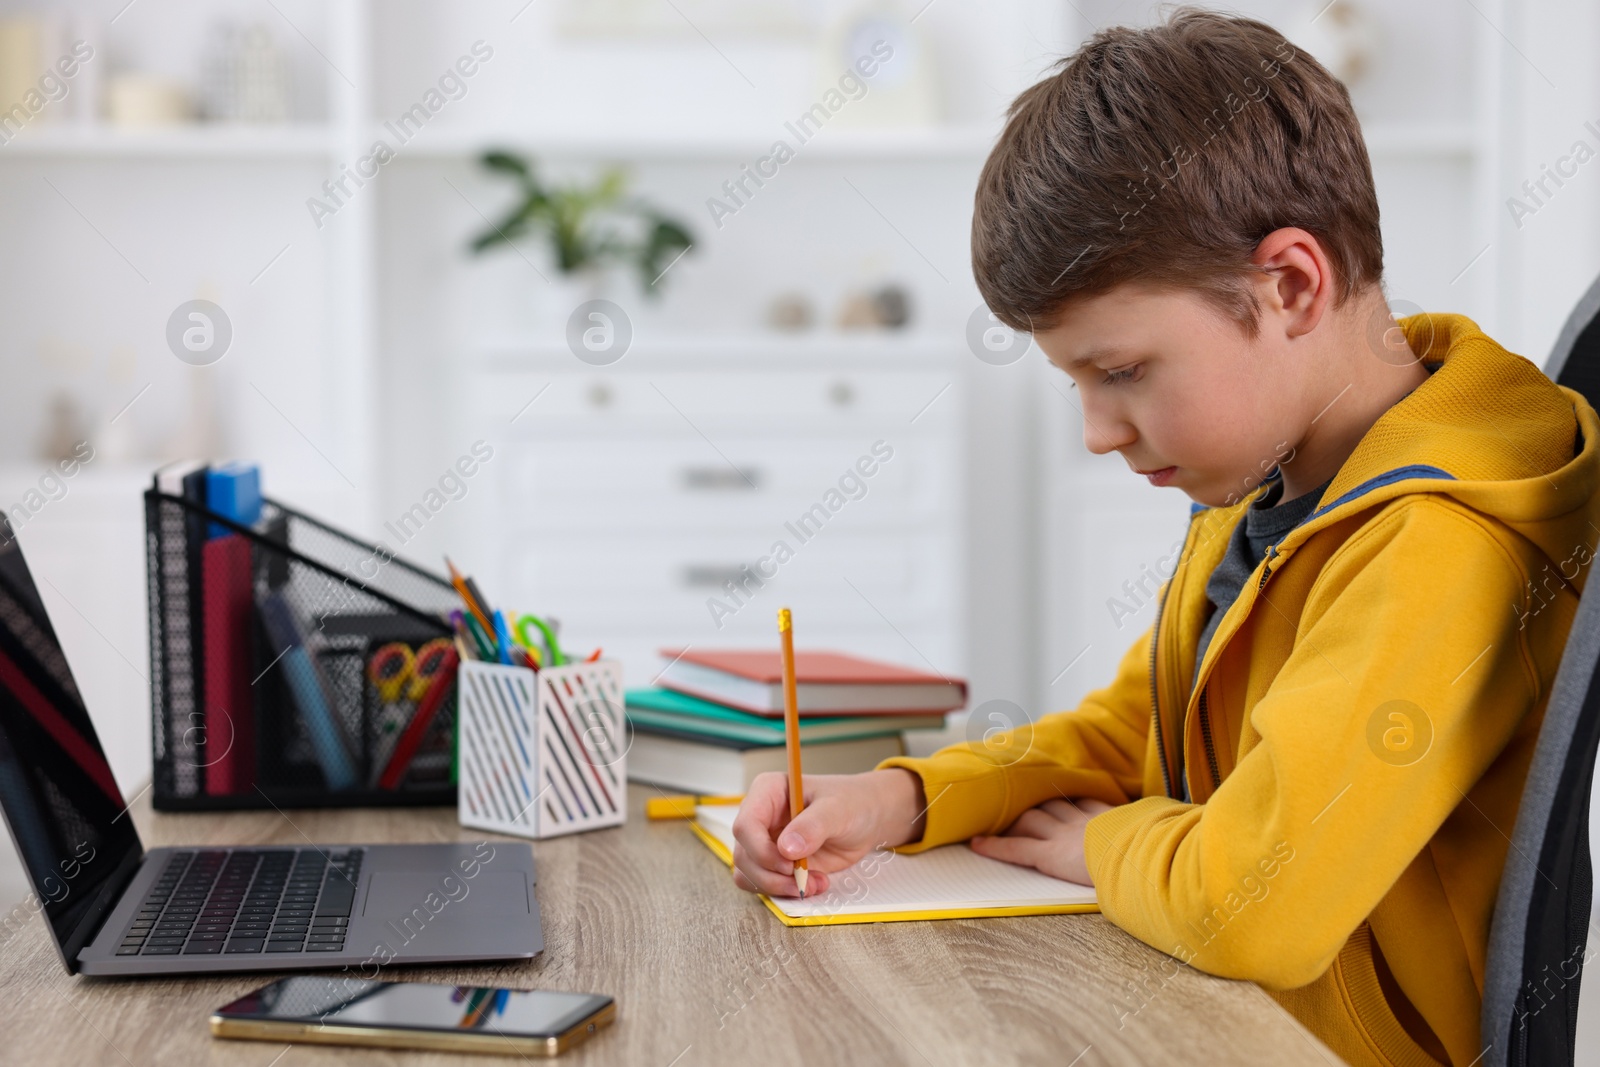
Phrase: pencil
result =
(791, 735)
(478, 611)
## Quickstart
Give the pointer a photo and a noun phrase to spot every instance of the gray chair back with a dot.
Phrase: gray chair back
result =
(1540, 933)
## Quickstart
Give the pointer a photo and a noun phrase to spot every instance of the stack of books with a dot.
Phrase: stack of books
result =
(715, 720)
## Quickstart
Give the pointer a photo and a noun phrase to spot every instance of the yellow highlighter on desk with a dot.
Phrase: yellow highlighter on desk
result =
(682, 807)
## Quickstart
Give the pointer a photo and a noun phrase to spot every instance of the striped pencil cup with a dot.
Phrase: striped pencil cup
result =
(541, 753)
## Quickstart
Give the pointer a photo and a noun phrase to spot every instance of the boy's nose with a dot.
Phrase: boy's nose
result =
(1102, 434)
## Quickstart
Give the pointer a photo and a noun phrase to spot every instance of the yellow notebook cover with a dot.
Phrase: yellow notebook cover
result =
(907, 885)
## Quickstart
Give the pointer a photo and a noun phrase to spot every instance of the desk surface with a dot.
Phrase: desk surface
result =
(701, 971)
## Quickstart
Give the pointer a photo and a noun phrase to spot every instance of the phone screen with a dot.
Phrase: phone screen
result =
(337, 1001)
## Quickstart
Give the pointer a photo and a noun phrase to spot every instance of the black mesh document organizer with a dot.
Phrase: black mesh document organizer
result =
(229, 696)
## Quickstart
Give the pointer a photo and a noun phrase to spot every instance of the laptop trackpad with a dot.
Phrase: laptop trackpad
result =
(394, 895)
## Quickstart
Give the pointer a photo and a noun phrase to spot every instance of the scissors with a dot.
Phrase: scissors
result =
(395, 667)
(552, 648)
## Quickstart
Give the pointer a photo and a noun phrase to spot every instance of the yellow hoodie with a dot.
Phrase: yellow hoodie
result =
(1362, 724)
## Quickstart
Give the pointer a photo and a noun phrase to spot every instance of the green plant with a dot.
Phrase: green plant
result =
(588, 227)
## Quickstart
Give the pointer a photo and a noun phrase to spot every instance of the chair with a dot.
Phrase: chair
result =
(1540, 933)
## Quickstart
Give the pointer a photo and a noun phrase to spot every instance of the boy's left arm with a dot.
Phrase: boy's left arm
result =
(1415, 625)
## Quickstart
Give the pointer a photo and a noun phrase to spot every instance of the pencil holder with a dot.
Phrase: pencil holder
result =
(542, 753)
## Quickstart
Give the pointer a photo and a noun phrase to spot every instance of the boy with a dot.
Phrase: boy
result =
(1305, 771)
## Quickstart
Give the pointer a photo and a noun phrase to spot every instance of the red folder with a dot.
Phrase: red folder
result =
(229, 712)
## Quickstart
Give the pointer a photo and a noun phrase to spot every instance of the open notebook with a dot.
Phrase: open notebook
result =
(950, 882)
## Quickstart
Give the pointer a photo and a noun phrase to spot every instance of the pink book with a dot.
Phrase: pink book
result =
(826, 683)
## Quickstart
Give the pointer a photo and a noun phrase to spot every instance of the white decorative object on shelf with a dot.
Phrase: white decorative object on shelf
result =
(20, 57)
(245, 76)
(541, 753)
(876, 70)
(134, 99)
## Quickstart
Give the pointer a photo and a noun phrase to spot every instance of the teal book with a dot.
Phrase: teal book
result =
(666, 710)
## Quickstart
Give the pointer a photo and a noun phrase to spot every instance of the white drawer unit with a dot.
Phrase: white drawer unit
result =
(565, 483)
(667, 502)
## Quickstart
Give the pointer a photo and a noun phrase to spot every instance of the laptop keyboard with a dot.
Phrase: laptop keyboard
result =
(234, 901)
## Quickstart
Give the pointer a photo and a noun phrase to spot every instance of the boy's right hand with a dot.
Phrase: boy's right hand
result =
(845, 817)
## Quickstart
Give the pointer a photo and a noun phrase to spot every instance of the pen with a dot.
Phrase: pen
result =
(480, 638)
(502, 638)
(791, 736)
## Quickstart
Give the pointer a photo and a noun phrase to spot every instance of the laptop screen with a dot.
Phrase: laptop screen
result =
(61, 803)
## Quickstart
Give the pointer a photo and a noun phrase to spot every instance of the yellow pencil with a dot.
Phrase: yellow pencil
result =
(791, 735)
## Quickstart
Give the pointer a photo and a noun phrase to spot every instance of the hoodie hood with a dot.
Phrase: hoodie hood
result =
(1488, 428)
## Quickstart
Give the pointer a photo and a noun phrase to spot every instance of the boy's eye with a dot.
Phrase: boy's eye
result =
(1124, 374)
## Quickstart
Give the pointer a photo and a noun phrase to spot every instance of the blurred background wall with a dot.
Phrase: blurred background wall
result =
(228, 151)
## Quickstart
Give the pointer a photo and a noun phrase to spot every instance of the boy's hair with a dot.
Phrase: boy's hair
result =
(1164, 155)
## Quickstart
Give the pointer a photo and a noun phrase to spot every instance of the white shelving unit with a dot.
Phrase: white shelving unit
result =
(340, 135)
(1460, 150)
(910, 529)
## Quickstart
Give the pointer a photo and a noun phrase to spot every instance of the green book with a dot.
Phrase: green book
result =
(667, 710)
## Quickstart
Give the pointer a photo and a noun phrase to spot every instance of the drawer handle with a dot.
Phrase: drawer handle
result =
(722, 479)
(713, 575)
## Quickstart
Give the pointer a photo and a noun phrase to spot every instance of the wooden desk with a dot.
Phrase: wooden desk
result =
(701, 971)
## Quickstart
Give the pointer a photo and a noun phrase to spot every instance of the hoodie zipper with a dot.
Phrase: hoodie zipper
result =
(1155, 697)
(1155, 641)
(1205, 735)
(1266, 570)
(1205, 720)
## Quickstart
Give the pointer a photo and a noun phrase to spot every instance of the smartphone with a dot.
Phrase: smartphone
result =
(338, 1010)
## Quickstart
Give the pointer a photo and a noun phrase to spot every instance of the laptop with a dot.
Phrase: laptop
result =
(115, 908)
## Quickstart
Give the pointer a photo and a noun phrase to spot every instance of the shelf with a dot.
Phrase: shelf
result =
(1421, 139)
(313, 141)
(512, 352)
(954, 143)
(938, 144)
(307, 141)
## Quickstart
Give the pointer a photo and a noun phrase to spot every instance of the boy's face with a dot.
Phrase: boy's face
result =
(1174, 383)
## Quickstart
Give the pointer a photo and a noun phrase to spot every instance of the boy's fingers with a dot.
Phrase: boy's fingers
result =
(758, 874)
(758, 820)
(771, 883)
(781, 886)
(1023, 851)
(1036, 822)
(809, 831)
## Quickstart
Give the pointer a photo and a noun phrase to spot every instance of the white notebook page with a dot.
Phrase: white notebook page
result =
(944, 878)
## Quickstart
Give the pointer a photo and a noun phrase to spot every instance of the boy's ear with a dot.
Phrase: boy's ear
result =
(1296, 285)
